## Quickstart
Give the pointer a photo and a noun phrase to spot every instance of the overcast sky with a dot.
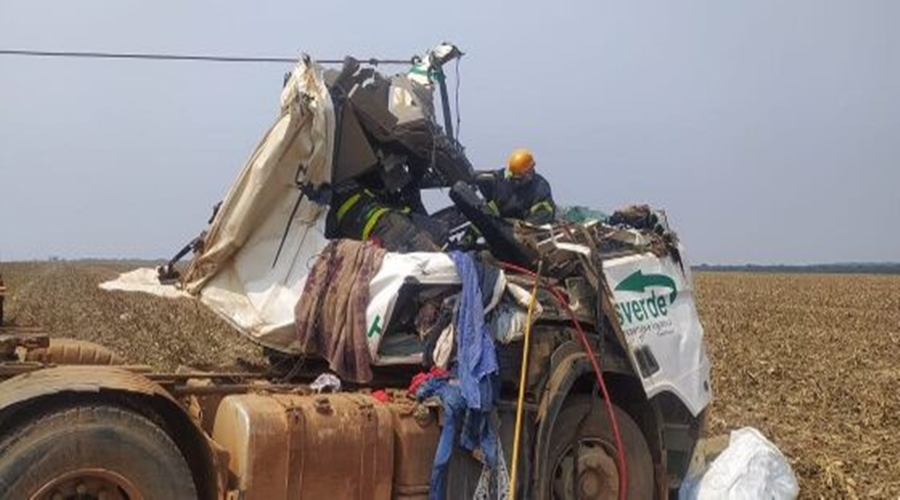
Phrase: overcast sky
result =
(769, 130)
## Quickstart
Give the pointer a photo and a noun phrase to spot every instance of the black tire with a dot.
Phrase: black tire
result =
(584, 421)
(63, 450)
(62, 351)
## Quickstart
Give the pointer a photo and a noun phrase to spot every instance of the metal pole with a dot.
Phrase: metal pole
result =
(445, 100)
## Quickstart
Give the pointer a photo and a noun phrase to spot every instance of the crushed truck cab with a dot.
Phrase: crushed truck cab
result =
(420, 354)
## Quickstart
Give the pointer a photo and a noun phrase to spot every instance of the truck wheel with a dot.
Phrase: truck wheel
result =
(93, 452)
(583, 457)
(74, 352)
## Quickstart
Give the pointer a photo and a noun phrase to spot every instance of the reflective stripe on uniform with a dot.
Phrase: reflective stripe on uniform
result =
(347, 205)
(544, 204)
(370, 223)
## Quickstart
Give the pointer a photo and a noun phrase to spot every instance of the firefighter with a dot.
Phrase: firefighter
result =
(517, 191)
(362, 215)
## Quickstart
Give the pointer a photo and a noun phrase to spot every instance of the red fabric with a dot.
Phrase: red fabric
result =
(382, 396)
(417, 380)
(421, 377)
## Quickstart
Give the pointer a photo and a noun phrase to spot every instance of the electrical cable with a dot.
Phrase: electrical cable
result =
(456, 97)
(620, 450)
(185, 57)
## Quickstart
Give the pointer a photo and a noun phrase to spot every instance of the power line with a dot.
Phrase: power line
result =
(185, 57)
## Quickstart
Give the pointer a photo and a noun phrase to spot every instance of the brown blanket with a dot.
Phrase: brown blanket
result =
(331, 313)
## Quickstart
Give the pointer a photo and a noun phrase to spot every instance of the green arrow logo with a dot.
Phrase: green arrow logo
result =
(375, 329)
(638, 282)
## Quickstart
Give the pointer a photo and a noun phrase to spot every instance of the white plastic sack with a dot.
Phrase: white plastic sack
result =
(750, 467)
(509, 319)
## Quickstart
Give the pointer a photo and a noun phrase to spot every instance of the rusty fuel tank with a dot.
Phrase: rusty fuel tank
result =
(326, 446)
(416, 436)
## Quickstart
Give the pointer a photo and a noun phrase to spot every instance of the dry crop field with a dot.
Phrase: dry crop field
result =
(810, 360)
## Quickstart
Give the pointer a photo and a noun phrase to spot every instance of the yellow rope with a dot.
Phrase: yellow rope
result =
(523, 371)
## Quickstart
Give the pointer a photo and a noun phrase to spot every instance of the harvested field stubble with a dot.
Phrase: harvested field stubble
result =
(64, 299)
(810, 360)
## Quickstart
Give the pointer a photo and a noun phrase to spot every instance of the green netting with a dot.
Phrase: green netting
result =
(580, 214)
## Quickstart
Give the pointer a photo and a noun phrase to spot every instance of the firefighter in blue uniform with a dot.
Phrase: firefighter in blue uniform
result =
(517, 191)
(363, 215)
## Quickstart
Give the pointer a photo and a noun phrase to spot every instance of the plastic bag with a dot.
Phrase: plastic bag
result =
(509, 319)
(326, 382)
(750, 467)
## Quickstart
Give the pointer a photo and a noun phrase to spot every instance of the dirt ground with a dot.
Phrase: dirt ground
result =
(810, 360)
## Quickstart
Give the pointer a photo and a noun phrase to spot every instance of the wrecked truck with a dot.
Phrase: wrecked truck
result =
(557, 361)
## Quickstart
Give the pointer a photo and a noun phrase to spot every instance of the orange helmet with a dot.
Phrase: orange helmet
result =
(520, 162)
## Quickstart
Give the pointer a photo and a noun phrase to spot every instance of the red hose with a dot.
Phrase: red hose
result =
(620, 450)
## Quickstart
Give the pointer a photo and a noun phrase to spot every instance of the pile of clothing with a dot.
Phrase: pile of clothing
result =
(460, 332)
(469, 390)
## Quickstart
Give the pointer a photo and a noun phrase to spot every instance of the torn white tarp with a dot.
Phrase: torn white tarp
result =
(237, 274)
(262, 242)
(144, 280)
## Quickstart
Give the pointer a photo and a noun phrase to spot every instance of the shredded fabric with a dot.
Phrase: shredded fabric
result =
(331, 313)
(493, 480)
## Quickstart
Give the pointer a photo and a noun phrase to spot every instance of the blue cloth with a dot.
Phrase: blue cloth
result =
(475, 350)
(467, 398)
(476, 429)
(473, 426)
(454, 406)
